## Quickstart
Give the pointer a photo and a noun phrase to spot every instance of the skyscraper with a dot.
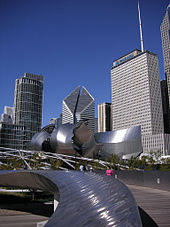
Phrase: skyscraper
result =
(77, 106)
(165, 34)
(8, 115)
(11, 135)
(28, 103)
(69, 107)
(136, 97)
(104, 117)
(165, 105)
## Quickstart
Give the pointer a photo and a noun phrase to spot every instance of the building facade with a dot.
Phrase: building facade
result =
(19, 123)
(69, 106)
(12, 136)
(78, 106)
(136, 94)
(8, 115)
(165, 105)
(28, 103)
(136, 97)
(96, 125)
(104, 117)
(165, 35)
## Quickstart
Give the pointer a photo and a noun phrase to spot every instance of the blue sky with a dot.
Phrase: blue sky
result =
(72, 43)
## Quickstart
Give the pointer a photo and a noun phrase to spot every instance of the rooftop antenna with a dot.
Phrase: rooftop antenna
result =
(141, 37)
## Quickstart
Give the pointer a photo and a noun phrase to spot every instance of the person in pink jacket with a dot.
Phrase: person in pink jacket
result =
(109, 172)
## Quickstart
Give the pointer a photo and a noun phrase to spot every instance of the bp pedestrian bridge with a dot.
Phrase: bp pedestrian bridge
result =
(85, 198)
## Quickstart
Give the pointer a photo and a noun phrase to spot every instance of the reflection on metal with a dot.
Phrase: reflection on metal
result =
(119, 136)
(38, 139)
(48, 128)
(72, 138)
(85, 199)
(61, 139)
(81, 134)
(124, 143)
(84, 142)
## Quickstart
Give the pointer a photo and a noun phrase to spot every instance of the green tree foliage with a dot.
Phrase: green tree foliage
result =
(113, 161)
(55, 164)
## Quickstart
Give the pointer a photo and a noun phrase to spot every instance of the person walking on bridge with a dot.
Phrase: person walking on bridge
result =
(109, 172)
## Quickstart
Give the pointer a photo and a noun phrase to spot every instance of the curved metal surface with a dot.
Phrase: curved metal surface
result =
(81, 134)
(48, 128)
(84, 142)
(69, 138)
(38, 139)
(85, 199)
(62, 137)
(119, 136)
(124, 143)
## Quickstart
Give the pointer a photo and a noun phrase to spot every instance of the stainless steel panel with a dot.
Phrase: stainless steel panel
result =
(62, 137)
(38, 139)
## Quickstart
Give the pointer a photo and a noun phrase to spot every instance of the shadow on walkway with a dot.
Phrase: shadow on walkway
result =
(12, 202)
(147, 221)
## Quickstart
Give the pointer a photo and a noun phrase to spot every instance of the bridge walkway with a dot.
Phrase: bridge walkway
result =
(156, 203)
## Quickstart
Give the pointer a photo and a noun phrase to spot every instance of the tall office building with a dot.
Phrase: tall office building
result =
(96, 125)
(77, 106)
(136, 98)
(165, 105)
(8, 115)
(28, 103)
(136, 95)
(11, 135)
(165, 34)
(69, 107)
(104, 117)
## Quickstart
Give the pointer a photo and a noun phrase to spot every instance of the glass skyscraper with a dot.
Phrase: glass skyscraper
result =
(28, 103)
(18, 124)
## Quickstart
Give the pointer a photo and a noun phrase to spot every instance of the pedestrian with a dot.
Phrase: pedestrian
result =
(91, 169)
(109, 172)
(81, 168)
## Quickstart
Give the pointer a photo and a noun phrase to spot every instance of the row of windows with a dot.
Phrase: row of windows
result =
(12, 127)
(133, 101)
(29, 95)
(8, 136)
(29, 81)
(31, 107)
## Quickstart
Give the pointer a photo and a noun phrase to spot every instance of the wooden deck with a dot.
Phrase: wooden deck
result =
(156, 203)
